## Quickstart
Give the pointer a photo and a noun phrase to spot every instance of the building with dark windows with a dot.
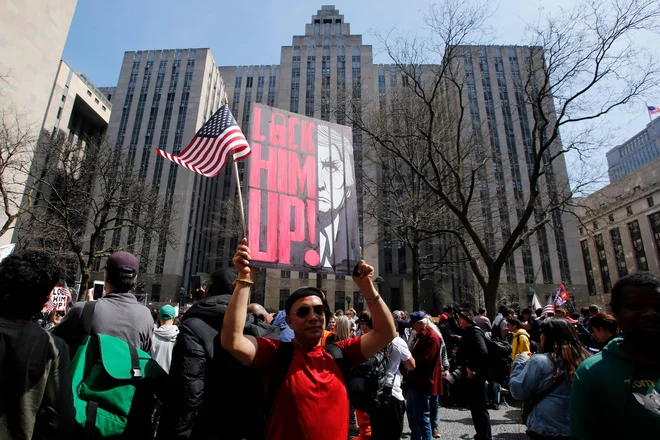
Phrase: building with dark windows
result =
(634, 153)
(160, 101)
(318, 74)
(619, 230)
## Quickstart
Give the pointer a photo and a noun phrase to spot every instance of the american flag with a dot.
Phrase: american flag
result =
(549, 307)
(653, 109)
(207, 152)
(50, 305)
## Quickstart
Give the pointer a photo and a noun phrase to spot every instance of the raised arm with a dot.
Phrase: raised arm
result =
(384, 330)
(242, 347)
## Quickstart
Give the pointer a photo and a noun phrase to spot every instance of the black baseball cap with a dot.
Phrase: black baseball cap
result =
(122, 264)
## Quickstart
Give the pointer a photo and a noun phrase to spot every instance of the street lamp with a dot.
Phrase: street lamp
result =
(348, 301)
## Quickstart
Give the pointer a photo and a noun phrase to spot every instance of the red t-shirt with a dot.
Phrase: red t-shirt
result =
(312, 401)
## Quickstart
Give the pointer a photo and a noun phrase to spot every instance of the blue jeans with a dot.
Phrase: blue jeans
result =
(435, 411)
(492, 392)
(419, 418)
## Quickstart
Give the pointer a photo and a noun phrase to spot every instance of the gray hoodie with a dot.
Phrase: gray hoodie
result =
(163, 344)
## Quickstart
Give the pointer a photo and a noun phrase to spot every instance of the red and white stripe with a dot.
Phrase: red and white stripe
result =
(208, 156)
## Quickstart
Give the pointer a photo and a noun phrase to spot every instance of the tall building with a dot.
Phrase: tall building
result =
(32, 37)
(317, 75)
(634, 153)
(620, 230)
(161, 99)
(329, 62)
(76, 108)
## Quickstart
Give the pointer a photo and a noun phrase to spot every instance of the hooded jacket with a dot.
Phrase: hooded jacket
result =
(615, 396)
(163, 344)
(209, 406)
(279, 320)
(520, 343)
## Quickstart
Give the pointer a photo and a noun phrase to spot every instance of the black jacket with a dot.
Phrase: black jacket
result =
(472, 351)
(206, 385)
(451, 333)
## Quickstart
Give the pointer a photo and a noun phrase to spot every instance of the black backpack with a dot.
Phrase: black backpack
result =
(499, 359)
(364, 383)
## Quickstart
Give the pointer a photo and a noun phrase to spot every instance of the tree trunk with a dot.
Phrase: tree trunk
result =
(491, 291)
(85, 273)
(415, 277)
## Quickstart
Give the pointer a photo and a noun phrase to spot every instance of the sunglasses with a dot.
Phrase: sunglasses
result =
(303, 311)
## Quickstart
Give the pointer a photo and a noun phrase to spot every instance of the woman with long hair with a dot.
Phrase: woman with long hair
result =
(545, 379)
(343, 331)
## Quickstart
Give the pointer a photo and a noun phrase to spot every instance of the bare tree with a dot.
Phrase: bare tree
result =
(579, 67)
(87, 194)
(17, 139)
(405, 209)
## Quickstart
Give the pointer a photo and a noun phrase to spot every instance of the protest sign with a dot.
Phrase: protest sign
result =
(302, 200)
(59, 299)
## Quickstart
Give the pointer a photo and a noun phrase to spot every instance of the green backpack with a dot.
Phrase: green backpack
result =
(111, 379)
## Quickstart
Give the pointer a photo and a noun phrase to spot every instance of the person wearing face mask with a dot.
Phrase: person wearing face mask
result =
(310, 382)
(616, 393)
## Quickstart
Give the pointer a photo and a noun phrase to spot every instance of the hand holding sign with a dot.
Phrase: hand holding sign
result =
(362, 275)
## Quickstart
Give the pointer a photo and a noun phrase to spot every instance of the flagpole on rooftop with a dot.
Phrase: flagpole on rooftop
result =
(657, 141)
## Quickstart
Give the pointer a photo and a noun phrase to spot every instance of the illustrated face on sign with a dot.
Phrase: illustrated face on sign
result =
(335, 170)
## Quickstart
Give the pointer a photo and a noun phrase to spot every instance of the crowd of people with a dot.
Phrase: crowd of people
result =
(231, 369)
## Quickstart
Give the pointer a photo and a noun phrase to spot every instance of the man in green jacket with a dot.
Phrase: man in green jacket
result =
(616, 393)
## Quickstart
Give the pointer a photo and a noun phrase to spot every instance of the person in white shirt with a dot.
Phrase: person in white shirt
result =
(389, 415)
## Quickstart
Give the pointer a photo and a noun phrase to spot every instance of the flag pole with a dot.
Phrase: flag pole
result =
(240, 198)
(657, 141)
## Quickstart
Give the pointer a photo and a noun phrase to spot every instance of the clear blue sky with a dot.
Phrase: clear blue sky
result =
(252, 32)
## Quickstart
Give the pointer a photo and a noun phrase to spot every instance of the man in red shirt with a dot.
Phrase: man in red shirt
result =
(426, 379)
(313, 387)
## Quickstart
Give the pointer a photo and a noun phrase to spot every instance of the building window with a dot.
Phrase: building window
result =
(303, 275)
(611, 217)
(89, 93)
(155, 292)
(638, 246)
(619, 254)
(340, 300)
(602, 261)
(358, 301)
(284, 294)
(649, 200)
(285, 274)
(655, 228)
(595, 225)
(59, 113)
(401, 254)
(581, 231)
(587, 267)
(63, 98)
(629, 210)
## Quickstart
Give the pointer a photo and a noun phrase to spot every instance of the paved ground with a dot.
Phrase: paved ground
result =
(456, 423)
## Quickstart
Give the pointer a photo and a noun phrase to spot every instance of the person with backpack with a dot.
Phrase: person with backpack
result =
(521, 340)
(36, 400)
(425, 380)
(304, 379)
(387, 420)
(113, 375)
(118, 313)
(473, 359)
(544, 380)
